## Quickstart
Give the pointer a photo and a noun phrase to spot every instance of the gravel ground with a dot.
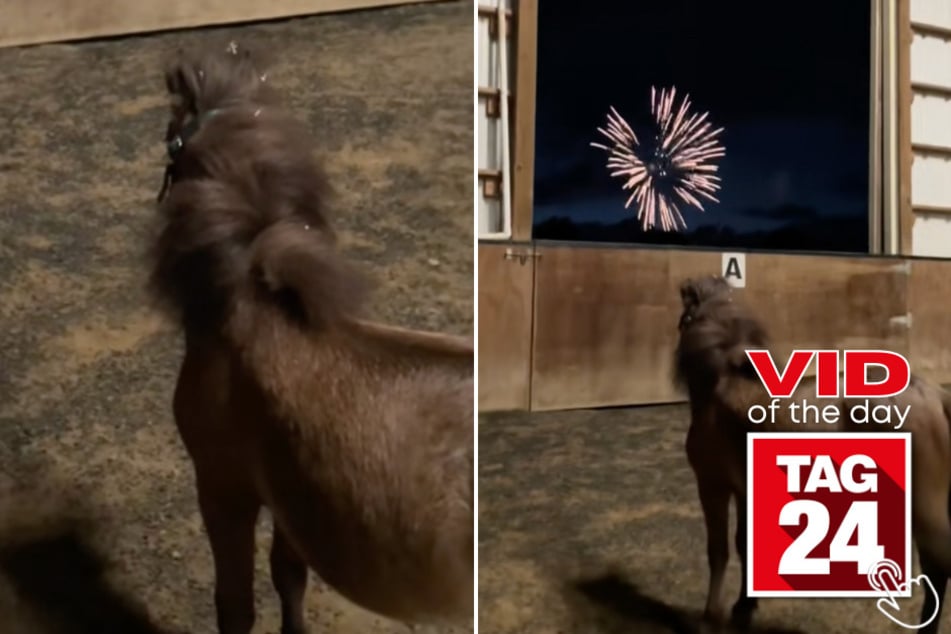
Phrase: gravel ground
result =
(99, 529)
(589, 523)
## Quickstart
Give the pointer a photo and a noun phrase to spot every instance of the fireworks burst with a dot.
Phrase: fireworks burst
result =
(676, 168)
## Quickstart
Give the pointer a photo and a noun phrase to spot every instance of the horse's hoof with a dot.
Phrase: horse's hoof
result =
(709, 627)
(714, 618)
(741, 617)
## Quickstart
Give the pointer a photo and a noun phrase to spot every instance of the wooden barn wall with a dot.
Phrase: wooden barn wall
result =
(34, 22)
(601, 327)
(605, 319)
(930, 345)
(602, 321)
(506, 273)
(604, 324)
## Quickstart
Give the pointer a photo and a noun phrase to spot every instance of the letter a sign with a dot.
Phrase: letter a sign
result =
(734, 269)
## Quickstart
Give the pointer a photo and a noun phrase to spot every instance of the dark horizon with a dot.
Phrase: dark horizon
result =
(790, 91)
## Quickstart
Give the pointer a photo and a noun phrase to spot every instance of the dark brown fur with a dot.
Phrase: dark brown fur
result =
(357, 436)
(716, 328)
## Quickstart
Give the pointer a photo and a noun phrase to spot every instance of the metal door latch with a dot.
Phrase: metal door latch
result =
(900, 321)
(521, 256)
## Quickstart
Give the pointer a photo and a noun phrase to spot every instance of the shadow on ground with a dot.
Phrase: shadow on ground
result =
(627, 608)
(61, 578)
(589, 523)
(56, 573)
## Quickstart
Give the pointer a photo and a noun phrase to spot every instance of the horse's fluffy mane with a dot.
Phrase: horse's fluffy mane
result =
(716, 328)
(246, 216)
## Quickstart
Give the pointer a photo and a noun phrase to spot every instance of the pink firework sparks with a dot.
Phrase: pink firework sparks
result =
(676, 169)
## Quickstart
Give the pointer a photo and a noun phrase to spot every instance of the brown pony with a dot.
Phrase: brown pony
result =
(710, 361)
(357, 436)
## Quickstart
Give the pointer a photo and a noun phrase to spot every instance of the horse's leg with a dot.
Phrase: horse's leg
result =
(715, 502)
(745, 604)
(230, 516)
(289, 575)
(930, 522)
(939, 580)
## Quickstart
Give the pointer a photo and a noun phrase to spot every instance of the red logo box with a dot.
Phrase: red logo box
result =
(823, 508)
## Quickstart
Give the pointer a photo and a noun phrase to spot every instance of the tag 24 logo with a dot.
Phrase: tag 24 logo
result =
(824, 509)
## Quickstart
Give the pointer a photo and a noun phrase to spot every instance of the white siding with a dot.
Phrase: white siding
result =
(490, 214)
(489, 129)
(931, 181)
(488, 52)
(931, 12)
(930, 118)
(931, 60)
(490, 157)
(931, 126)
(931, 235)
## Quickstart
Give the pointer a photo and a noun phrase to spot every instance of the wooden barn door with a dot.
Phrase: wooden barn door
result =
(506, 272)
(930, 343)
(605, 322)
(30, 22)
(606, 318)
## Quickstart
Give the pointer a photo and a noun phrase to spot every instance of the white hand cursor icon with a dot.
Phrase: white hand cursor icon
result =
(885, 576)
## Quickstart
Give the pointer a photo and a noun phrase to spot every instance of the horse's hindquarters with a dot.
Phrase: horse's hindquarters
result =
(426, 576)
(386, 545)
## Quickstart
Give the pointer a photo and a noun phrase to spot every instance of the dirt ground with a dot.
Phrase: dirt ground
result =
(99, 530)
(589, 523)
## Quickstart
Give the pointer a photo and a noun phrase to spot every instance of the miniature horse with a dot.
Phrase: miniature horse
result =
(710, 361)
(357, 436)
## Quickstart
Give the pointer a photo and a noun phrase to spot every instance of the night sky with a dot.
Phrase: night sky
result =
(789, 82)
